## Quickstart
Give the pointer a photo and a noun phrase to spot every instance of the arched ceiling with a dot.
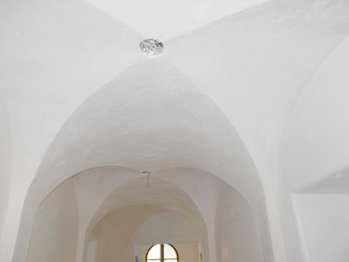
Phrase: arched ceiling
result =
(252, 64)
(129, 206)
(166, 19)
(258, 61)
(159, 196)
(151, 117)
(316, 146)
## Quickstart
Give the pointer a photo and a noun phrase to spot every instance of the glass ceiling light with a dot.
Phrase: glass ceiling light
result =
(147, 174)
(151, 47)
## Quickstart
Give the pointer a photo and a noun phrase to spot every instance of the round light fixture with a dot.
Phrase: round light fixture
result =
(151, 47)
(145, 173)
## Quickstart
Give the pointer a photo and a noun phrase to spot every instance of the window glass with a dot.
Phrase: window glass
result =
(169, 252)
(154, 252)
(162, 253)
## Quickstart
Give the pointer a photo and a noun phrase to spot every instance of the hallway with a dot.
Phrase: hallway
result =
(166, 131)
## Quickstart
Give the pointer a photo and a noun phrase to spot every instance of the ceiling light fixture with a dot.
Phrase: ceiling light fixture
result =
(147, 174)
(151, 47)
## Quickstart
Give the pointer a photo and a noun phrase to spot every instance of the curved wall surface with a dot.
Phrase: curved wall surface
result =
(5, 164)
(314, 157)
(55, 233)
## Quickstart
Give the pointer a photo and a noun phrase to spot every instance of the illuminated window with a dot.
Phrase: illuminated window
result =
(162, 253)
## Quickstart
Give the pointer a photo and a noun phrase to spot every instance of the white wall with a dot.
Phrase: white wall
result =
(127, 229)
(114, 233)
(54, 54)
(188, 252)
(316, 145)
(5, 157)
(323, 221)
(316, 141)
(169, 226)
(237, 237)
(111, 245)
(55, 232)
(92, 248)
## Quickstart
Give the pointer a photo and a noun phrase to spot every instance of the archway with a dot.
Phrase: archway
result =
(142, 213)
(150, 117)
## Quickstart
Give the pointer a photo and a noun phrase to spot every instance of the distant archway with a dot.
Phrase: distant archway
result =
(150, 117)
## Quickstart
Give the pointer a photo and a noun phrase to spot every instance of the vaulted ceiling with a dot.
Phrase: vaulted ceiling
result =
(168, 19)
(252, 59)
(274, 70)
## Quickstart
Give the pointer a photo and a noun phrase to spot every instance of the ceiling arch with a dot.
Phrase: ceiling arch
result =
(315, 146)
(150, 117)
(175, 18)
(161, 195)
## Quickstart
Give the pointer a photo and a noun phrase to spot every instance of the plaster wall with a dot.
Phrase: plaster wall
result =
(5, 165)
(188, 252)
(122, 231)
(263, 62)
(255, 63)
(236, 234)
(111, 245)
(92, 248)
(323, 222)
(90, 198)
(55, 232)
(55, 47)
(315, 145)
(169, 226)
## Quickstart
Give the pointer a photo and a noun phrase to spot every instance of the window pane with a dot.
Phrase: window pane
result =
(169, 252)
(154, 252)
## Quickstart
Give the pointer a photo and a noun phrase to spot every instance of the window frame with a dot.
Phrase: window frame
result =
(162, 256)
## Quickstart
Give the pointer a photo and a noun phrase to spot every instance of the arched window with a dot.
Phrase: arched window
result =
(162, 253)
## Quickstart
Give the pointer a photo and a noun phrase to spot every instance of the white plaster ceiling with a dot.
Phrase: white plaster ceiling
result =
(160, 194)
(252, 64)
(155, 121)
(165, 19)
(71, 49)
